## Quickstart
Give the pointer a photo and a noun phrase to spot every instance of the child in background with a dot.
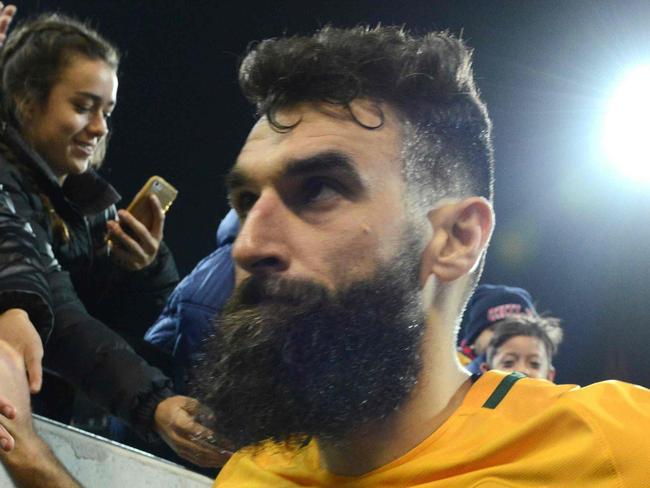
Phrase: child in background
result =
(489, 305)
(526, 344)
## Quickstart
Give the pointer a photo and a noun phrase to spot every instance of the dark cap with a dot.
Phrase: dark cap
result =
(491, 303)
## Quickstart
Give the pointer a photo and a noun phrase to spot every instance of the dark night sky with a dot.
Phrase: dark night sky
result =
(567, 230)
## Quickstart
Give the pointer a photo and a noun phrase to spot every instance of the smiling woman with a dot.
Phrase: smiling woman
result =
(71, 125)
(59, 87)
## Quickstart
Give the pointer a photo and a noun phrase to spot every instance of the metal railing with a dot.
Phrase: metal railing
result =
(100, 463)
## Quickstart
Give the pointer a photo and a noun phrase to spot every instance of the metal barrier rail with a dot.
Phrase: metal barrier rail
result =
(100, 463)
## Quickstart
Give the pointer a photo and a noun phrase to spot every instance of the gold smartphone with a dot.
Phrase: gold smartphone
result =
(140, 206)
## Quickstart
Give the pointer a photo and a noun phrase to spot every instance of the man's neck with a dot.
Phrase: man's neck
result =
(377, 445)
(440, 391)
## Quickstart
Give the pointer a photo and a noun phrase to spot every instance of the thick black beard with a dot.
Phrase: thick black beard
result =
(291, 360)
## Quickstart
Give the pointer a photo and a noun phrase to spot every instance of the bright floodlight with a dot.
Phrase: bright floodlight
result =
(626, 135)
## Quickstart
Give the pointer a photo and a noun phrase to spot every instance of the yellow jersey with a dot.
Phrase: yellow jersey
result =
(510, 431)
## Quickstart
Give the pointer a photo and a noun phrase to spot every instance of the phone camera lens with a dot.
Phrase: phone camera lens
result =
(157, 186)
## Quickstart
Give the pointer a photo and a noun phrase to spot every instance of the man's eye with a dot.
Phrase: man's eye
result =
(535, 365)
(243, 202)
(317, 190)
(507, 364)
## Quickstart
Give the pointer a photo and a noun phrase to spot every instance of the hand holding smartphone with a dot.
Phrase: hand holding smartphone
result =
(134, 240)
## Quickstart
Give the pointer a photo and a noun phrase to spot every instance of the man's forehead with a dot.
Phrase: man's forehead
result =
(315, 128)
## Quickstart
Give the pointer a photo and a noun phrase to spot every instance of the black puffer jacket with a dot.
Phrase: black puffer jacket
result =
(67, 283)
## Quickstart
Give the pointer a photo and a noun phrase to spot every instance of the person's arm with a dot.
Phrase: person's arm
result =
(139, 275)
(133, 300)
(26, 316)
(17, 330)
(28, 460)
(31, 464)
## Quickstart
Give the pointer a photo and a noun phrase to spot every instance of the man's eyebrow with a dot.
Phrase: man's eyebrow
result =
(95, 98)
(325, 162)
(235, 179)
(329, 161)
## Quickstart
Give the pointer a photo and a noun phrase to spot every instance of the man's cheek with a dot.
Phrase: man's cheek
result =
(356, 260)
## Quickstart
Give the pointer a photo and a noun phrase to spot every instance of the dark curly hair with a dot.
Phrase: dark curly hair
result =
(447, 148)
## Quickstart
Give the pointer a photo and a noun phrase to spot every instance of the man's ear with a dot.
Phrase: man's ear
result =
(461, 233)
(484, 367)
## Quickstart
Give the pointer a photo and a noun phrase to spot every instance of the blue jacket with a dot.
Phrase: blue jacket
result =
(188, 317)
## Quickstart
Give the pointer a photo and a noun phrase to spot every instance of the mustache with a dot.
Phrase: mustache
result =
(268, 289)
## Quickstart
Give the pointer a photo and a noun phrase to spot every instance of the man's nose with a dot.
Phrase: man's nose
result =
(262, 242)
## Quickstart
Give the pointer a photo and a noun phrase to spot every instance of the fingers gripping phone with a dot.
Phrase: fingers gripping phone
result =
(140, 207)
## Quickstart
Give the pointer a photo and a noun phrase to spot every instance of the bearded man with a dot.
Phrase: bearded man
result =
(365, 192)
